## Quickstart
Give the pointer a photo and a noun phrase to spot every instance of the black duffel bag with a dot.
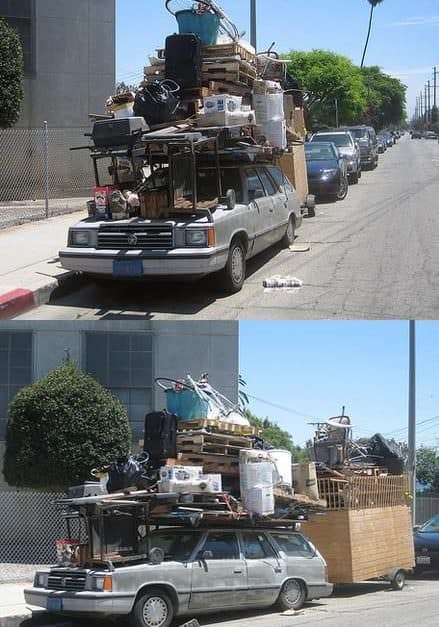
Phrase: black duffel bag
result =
(126, 472)
(157, 102)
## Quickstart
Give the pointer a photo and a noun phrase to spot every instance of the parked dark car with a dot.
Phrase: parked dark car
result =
(367, 140)
(431, 135)
(416, 134)
(347, 146)
(426, 539)
(388, 138)
(327, 170)
(382, 145)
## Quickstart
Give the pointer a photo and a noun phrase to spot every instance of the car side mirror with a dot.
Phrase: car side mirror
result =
(416, 527)
(205, 555)
(156, 556)
(229, 199)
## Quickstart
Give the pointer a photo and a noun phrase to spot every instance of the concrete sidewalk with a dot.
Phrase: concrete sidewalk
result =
(29, 267)
(15, 613)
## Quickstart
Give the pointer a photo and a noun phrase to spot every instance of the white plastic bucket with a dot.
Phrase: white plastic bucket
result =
(283, 462)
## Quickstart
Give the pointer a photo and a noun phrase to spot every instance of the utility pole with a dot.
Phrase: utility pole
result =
(429, 102)
(434, 86)
(336, 114)
(253, 24)
(412, 415)
(425, 104)
(421, 110)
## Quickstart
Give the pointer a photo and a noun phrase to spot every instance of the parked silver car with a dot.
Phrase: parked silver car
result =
(266, 211)
(347, 147)
(190, 572)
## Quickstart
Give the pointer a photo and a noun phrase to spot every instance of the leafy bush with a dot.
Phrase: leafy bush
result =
(11, 75)
(277, 437)
(60, 427)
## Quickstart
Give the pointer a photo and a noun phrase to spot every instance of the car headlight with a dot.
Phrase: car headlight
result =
(40, 580)
(79, 238)
(328, 173)
(103, 583)
(200, 237)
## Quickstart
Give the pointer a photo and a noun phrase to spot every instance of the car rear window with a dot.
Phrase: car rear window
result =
(293, 544)
(339, 139)
(256, 546)
(267, 182)
(222, 545)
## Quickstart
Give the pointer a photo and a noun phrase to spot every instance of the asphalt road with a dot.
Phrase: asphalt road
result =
(350, 606)
(374, 255)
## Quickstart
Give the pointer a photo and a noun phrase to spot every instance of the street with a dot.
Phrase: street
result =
(367, 603)
(373, 255)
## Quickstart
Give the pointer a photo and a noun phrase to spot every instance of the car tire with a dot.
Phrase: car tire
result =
(398, 580)
(354, 178)
(344, 188)
(292, 596)
(152, 609)
(359, 172)
(290, 234)
(232, 278)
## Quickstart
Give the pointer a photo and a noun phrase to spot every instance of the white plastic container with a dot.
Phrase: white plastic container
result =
(269, 107)
(249, 456)
(275, 132)
(258, 474)
(259, 500)
(283, 462)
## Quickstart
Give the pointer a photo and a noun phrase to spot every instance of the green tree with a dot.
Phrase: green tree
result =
(373, 4)
(427, 467)
(60, 427)
(11, 75)
(386, 97)
(277, 437)
(326, 77)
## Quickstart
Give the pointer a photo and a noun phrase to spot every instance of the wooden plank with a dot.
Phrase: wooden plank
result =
(201, 437)
(218, 426)
(230, 49)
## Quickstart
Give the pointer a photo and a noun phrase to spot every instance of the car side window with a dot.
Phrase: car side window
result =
(223, 546)
(253, 182)
(278, 177)
(267, 182)
(293, 544)
(256, 546)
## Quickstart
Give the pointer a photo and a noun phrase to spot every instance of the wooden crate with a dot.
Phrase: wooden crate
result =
(211, 463)
(229, 50)
(363, 544)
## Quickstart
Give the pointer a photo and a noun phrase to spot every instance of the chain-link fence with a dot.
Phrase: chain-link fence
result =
(30, 524)
(40, 176)
(426, 507)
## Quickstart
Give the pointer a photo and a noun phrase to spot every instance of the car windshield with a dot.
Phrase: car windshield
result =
(319, 152)
(359, 133)
(207, 182)
(177, 547)
(339, 139)
(431, 526)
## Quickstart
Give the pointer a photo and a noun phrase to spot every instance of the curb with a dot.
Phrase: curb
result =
(35, 619)
(21, 300)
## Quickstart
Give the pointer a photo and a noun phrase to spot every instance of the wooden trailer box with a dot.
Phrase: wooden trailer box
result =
(367, 533)
(293, 165)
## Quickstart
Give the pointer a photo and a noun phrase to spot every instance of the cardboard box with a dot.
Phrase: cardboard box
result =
(293, 165)
(220, 103)
(225, 118)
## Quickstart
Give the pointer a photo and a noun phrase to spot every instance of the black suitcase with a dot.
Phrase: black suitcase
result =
(160, 438)
(184, 60)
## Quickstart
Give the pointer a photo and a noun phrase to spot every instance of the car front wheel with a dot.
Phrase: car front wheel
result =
(233, 276)
(152, 609)
(292, 596)
(344, 187)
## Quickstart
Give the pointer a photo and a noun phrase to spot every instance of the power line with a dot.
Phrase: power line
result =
(281, 407)
(417, 424)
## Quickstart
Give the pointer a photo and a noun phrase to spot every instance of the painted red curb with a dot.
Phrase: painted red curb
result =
(16, 302)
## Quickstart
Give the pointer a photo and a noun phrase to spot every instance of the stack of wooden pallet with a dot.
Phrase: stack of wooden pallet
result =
(213, 444)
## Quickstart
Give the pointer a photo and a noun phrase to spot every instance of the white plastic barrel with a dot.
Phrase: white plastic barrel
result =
(283, 462)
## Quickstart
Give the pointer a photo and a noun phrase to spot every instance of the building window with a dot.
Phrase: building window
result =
(123, 363)
(19, 15)
(15, 369)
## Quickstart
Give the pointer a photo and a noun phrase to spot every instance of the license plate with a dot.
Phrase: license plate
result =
(54, 604)
(423, 559)
(128, 268)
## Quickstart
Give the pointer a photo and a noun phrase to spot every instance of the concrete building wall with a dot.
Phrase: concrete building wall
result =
(177, 349)
(74, 47)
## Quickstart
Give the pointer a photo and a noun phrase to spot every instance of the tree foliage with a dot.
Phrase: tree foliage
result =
(327, 77)
(277, 437)
(386, 98)
(11, 75)
(60, 427)
(427, 467)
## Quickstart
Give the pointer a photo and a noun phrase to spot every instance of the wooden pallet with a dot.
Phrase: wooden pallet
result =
(216, 426)
(211, 463)
(229, 50)
(233, 73)
(203, 437)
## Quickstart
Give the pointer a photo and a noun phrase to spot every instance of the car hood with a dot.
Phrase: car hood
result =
(317, 166)
(347, 151)
(426, 540)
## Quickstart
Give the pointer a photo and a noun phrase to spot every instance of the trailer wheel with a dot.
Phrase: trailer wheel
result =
(292, 595)
(398, 580)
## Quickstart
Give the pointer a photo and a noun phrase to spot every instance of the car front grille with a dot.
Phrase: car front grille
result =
(135, 237)
(73, 582)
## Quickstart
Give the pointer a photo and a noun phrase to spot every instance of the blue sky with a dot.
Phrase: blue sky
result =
(403, 42)
(314, 368)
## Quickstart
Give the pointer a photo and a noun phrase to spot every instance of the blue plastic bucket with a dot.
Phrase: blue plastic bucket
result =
(186, 404)
(205, 25)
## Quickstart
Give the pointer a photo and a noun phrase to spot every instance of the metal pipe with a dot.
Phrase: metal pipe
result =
(46, 167)
(253, 24)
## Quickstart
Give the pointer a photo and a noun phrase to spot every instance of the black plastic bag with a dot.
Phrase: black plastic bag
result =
(157, 102)
(125, 473)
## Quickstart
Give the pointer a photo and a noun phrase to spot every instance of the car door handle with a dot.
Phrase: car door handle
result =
(237, 571)
(278, 570)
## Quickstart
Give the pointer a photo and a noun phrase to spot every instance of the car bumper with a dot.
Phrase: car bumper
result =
(367, 160)
(322, 188)
(427, 560)
(320, 591)
(81, 602)
(189, 263)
